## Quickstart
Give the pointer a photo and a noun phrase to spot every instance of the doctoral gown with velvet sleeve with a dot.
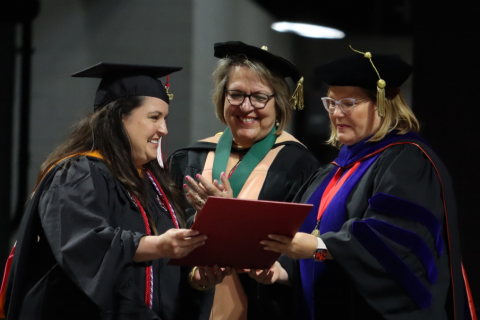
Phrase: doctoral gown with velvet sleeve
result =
(74, 256)
(393, 236)
(290, 169)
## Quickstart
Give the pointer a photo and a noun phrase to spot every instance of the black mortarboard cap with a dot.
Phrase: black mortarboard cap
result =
(356, 70)
(271, 61)
(122, 80)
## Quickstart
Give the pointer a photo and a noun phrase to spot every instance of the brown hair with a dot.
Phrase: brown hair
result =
(103, 131)
(283, 106)
(398, 116)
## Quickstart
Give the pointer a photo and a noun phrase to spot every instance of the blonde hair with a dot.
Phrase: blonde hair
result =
(398, 116)
(283, 106)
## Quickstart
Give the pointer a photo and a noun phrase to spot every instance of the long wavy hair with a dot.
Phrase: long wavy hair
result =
(103, 131)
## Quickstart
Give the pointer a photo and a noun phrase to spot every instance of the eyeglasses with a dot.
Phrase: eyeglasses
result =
(346, 104)
(257, 100)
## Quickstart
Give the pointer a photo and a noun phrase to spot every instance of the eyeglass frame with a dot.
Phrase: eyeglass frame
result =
(269, 97)
(338, 103)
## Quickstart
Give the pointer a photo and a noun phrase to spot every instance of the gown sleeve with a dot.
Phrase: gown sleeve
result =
(392, 245)
(177, 163)
(287, 263)
(79, 212)
(291, 168)
(187, 162)
(301, 171)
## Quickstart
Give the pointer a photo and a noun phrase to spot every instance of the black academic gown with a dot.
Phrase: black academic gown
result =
(290, 169)
(369, 275)
(74, 256)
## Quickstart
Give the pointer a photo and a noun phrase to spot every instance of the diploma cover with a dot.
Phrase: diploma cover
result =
(235, 227)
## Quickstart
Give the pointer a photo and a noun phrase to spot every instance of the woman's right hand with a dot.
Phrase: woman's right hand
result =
(174, 244)
(177, 243)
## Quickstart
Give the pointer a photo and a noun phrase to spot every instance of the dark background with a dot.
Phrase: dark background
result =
(438, 37)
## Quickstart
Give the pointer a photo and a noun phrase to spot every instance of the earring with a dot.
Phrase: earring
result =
(277, 123)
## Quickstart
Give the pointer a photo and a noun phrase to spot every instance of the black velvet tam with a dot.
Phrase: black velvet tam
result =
(271, 61)
(355, 70)
(122, 80)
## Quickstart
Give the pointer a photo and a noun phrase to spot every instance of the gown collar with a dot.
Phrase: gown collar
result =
(353, 153)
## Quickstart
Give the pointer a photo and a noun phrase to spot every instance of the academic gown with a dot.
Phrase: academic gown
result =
(74, 257)
(290, 169)
(386, 228)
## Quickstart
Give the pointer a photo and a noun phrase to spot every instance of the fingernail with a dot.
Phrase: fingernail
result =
(270, 236)
(262, 242)
(223, 174)
(187, 195)
(187, 177)
(205, 237)
(185, 186)
(198, 176)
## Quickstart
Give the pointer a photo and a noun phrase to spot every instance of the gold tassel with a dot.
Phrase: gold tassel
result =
(381, 97)
(381, 84)
(297, 96)
(167, 86)
(170, 95)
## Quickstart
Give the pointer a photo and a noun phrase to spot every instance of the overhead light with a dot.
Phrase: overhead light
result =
(308, 30)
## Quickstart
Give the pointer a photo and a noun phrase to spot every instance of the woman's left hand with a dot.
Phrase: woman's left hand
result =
(301, 246)
(210, 276)
(198, 192)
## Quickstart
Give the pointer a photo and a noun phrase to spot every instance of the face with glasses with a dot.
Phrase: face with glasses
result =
(249, 107)
(353, 114)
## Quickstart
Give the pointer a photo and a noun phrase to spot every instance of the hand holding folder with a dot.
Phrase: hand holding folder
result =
(235, 227)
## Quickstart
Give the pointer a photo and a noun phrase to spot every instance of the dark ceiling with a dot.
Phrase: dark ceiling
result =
(392, 17)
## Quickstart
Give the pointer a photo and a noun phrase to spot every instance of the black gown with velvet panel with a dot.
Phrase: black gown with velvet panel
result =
(392, 232)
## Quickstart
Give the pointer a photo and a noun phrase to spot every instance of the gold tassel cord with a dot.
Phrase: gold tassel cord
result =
(170, 95)
(297, 96)
(381, 84)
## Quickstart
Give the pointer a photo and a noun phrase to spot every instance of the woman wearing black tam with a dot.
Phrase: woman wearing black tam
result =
(260, 159)
(105, 218)
(382, 239)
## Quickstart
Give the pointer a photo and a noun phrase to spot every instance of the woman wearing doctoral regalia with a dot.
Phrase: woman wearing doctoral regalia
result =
(105, 218)
(382, 239)
(260, 159)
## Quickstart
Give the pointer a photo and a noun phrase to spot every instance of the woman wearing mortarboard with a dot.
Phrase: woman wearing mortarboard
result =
(260, 159)
(382, 240)
(105, 218)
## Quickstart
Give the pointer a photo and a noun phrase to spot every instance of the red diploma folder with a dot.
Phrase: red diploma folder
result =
(235, 228)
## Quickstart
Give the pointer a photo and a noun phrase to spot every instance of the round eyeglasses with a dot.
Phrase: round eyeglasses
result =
(257, 100)
(346, 104)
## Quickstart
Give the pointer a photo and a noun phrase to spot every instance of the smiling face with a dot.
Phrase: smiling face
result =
(247, 124)
(145, 126)
(358, 125)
